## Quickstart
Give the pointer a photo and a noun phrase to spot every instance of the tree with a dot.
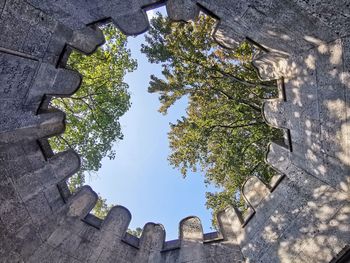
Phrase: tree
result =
(223, 133)
(137, 232)
(93, 112)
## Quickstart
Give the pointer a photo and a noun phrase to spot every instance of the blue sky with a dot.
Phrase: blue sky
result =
(140, 177)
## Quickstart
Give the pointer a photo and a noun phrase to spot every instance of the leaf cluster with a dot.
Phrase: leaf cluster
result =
(223, 133)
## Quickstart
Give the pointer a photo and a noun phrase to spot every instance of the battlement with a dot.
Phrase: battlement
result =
(301, 216)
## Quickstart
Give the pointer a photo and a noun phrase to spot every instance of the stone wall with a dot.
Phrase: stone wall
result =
(302, 216)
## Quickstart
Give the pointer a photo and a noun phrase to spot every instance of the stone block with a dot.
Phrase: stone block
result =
(13, 214)
(191, 238)
(64, 164)
(31, 184)
(191, 229)
(228, 35)
(37, 42)
(231, 12)
(41, 254)
(2, 5)
(38, 208)
(34, 155)
(82, 202)
(254, 191)
(153, 237)
(183, 10)
(13, 31)
(329, 63)
(52, 81)
(87, 40)
(151, 243)
(116, 223)
(333, 114)
(306, 217)
(27, 240)
(27, 127)
(54, 198)
(16, 75)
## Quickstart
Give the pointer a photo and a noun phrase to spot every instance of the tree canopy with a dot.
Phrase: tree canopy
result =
(93, 112)
(223, 133)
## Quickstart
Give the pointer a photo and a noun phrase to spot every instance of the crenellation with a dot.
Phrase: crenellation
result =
(152, 238)
(228, 35)
(16, 75)
(110, 237)
(87, 40)
(27, 127)
(78, 14)
(269, 64)
(48, 176)
(64, 165)
(276, 113)
(42, 37)
(183, 10)
(171, 245)
(286, 216)
(151, 243)
(131, 240)
(230, 224)
(191, 229)
(116, 222)
(254, 191)
(64, 83)
(54, 198)
(191, 240)
(301, 216)
(270, 219)
(212, 237)
(82, 202)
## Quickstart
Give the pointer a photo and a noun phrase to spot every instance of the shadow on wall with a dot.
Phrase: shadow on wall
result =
(307, 217)
(316, 111)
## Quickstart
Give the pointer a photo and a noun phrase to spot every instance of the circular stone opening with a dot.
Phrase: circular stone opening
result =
(229, 118)
(305, 46)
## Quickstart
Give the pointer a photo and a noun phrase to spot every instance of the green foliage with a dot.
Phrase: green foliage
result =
(101, 208)
(93, 112)
(223, 133)
(136, 232)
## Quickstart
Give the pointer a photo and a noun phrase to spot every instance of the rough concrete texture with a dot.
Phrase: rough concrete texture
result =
(303, 216)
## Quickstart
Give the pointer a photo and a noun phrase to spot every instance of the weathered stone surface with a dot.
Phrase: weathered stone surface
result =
(128, 16)
(183, 10)
(302, 218)
(52, 81)
(16, 75)
(254, 191)
(27, 126)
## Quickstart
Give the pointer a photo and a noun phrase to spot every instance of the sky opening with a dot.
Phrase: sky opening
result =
(140, 177)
